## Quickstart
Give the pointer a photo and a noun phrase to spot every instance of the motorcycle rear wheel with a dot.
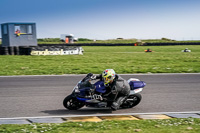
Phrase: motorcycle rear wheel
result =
(72, 103)
(136, 98)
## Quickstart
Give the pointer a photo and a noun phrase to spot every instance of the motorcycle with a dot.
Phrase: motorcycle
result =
(93, 95)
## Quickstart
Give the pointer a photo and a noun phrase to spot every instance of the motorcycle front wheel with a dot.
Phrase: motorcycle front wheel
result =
(72, 103)
(132, 101)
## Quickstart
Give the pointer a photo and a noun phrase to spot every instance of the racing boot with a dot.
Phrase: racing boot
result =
(118, 103)
(114, 106)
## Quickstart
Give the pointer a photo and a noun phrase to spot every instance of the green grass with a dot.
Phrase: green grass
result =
(123, 59)
(190, 125)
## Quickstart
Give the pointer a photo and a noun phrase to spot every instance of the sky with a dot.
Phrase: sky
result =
(107, 19)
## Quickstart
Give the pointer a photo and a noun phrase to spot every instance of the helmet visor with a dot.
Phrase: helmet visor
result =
(107, 79)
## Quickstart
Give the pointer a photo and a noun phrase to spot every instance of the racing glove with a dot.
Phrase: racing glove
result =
(89, 75)
(93, 77)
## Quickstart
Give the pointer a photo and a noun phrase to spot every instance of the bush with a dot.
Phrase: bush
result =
(84, 39)
(49, 40)
(165, 39)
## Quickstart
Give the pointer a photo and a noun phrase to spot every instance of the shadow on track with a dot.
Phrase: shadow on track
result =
(84, 111)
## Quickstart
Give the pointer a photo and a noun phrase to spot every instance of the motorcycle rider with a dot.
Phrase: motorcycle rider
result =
(117, 88)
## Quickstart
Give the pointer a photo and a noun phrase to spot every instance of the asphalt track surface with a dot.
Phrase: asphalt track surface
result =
(31, 96)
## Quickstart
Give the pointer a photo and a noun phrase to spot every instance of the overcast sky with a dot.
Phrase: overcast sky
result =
(107, 19)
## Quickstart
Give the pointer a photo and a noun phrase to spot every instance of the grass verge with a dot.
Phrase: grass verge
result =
(189, 125)
(123, 59)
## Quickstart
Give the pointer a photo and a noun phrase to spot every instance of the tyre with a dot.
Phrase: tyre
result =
(132, 101)
(72, 103)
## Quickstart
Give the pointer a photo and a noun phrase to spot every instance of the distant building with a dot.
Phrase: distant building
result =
(67, 38)
(18, 34)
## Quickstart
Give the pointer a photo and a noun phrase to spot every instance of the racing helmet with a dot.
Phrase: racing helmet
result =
(108, 76)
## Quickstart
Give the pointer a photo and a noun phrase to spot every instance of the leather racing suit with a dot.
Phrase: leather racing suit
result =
(116, 92)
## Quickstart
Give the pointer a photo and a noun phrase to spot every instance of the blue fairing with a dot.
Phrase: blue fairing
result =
(137, 84)
(84, 91)
(100, 87)
(83, 99)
